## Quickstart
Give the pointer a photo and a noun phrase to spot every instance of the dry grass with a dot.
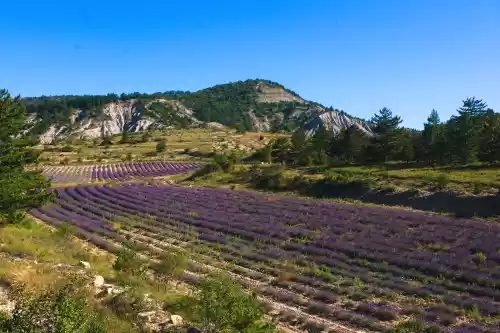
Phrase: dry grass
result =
(204, 141)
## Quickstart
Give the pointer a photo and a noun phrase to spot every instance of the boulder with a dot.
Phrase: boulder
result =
(98, 281)
(176, 320)
(146, 315)
(6, 305)
(84, 264)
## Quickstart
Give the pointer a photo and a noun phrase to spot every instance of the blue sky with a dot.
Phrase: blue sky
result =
(359, 56)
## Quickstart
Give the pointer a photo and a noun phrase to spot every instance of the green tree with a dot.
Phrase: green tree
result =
(473, 107)
(384, 122)
(298, 145)
(124, 138)
(384, 143)
(349, 145)
(220, 305)
(463, 129)
(161, 146)
(19, 189)
(432, 141)
(405, 147)
(489, 139)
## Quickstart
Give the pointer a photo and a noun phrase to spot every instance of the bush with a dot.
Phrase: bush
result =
(106, 142)
(385, 315)
(127, 304)
(127, 261)
(171, 265)
(478, 188)
(225, 162)
(442, 181)
(67, 149)
(220, 305)
(64, 311)
(161, 146)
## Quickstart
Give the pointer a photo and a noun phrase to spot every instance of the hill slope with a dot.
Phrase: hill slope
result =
(252, 105)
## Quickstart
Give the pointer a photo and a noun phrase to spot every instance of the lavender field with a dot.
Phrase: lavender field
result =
(327, 265)
(121, 171)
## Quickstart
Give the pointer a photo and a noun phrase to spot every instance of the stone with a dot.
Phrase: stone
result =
(7, 306)
(176, 320)
(84, 264)
(98, 281)
(146, 314)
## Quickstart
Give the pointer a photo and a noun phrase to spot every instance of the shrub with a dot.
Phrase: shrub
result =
(65, 231)
(161, 146)
(127, 261)
(357, 296)
(127, 304)
(385, 315)
(480, 257)
(63, 311)
(67, 149)
(106, 142)
(478, 188)
(442, 181)
(225, 162)
(318, 308)
(171, 265)
(221, 305)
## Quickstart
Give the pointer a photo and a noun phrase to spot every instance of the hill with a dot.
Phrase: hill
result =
(252, 105)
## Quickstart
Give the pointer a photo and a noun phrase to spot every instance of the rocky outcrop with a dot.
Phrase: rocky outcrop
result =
(335, 121)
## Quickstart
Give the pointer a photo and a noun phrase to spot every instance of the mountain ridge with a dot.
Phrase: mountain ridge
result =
(251, 105)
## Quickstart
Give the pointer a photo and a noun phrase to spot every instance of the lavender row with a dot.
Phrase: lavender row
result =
(117, 172)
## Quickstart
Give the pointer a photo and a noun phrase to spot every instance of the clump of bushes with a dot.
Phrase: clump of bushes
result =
(220, 305)
(67, 149)
(63, 311)
(171, 265)
(128, 261)
(441, 182)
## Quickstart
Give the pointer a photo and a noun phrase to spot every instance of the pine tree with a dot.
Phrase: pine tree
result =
(464, 129)
(431, 146)
(489, 139)
(384, 122)
(384, 143)
(19, 189)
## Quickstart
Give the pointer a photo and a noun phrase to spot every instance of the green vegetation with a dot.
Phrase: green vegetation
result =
(65, 310)
(220, 305)
(228, 104)
(464, 139)
(59, 109)
(19, 189)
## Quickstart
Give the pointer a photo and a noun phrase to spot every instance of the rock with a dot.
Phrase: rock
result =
(176, 320)
(6, 305)
(112, 289)
(98, 281)
(146, 315)
(84, 264)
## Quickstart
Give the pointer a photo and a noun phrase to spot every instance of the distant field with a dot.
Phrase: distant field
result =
(116, 172)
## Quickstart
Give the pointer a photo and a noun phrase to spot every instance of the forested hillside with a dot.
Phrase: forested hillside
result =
(252, 105)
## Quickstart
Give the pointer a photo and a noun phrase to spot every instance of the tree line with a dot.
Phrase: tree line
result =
(472, 135)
